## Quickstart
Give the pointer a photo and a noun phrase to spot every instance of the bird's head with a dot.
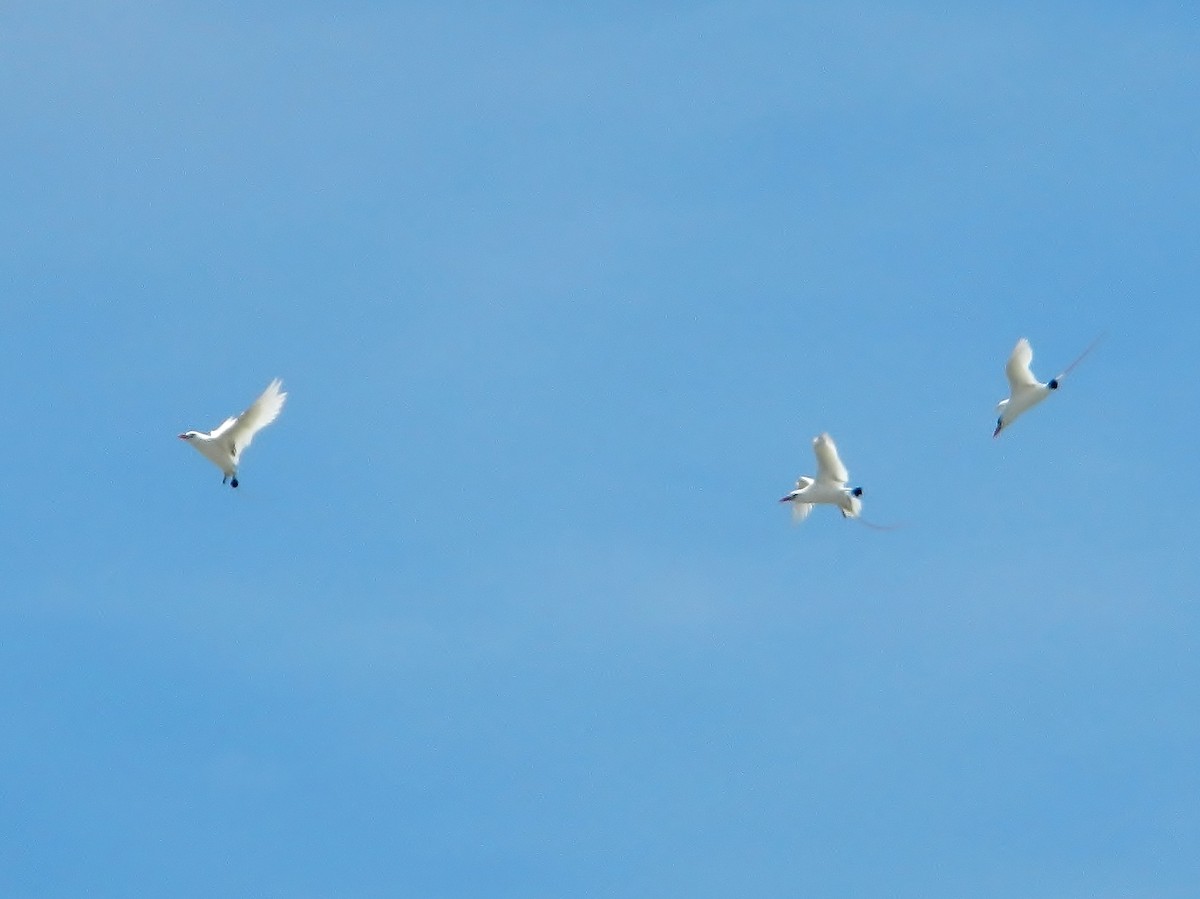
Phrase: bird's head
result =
(188, 435)
(802, 483)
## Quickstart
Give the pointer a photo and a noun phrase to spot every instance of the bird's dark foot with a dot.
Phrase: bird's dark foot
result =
(233, 483)
(857, 491)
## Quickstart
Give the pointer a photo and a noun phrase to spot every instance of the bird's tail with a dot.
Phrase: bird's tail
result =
(1066, 371)
(879, 527)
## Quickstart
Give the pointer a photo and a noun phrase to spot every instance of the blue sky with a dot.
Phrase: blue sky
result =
(506, 605)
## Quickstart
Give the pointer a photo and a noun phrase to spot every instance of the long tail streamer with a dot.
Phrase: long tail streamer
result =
(1066, 371)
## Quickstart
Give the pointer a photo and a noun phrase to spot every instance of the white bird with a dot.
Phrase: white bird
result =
(223, 446)
(829, 486)
(1026, 391)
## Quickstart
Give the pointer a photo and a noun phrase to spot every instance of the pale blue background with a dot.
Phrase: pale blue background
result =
(505, 605)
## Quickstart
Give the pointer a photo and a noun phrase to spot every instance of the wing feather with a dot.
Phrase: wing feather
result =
(240, 431)
(223, 427)
(800, 511)
(829, 466)
(1018, 371)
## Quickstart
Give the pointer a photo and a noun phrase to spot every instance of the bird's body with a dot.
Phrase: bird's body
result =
(224, 445)
(828, 487)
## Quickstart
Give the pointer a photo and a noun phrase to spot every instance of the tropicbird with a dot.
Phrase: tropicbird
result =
(223, 446)
(1026, 391)
(829, 486)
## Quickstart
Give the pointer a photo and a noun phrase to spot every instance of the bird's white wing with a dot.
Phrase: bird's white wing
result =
(803, 481)
(240, 431)
(800, 511)
(222, 427)
(829, 467)
(1018, 371)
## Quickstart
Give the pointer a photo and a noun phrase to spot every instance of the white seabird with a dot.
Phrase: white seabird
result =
(223, 446)
(1025, 390)
(829, 486)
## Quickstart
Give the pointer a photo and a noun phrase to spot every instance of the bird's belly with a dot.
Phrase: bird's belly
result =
(1023, 402)
(217, 455)
(821, 493)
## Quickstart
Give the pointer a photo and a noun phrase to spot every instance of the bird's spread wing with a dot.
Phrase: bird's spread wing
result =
(240, 431)
(222, 427)
(1019, 374)
(829, 467)
(800, 511)
(803, 481)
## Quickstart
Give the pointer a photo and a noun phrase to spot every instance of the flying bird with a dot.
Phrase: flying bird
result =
(1026, 391)
(829, 486)
(223, 446)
